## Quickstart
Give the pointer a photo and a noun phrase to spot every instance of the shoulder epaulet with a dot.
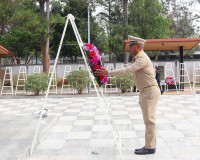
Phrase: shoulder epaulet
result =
(140, 54)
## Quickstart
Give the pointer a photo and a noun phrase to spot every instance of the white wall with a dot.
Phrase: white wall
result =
(60, 67)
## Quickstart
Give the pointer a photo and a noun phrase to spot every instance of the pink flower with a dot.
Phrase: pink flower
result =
(89, 47)
(96, 50)
(98, 56)
(94, 60)
(106, 79)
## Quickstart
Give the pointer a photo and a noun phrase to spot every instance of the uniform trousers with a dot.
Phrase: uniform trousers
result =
(148, 100)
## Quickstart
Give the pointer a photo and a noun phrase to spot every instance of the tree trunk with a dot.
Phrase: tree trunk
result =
(37, 93)
(156, 56)
(48, 35)
(80, 91)
(110, 57)
(125, 13)
(18, 60)
(45, 55)
(123, 90)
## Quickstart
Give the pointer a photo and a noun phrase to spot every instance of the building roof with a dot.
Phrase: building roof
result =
(5, 53)
(167, 44)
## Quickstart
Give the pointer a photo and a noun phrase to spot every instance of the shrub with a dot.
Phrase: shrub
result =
(79, 80)
(125, 82)
(37, 82)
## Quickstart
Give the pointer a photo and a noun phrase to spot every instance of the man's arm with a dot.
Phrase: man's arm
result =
(137, 65)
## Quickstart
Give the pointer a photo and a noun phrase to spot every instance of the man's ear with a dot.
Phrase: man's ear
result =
(138, 47)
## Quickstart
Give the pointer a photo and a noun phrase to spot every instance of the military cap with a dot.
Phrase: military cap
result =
(134, 40)
(157, 68)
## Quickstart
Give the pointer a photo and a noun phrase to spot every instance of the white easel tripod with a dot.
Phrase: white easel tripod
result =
(107, 112)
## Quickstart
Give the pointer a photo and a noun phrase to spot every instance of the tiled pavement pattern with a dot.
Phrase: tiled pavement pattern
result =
(82, 132)
(18, 127)
(17, 133)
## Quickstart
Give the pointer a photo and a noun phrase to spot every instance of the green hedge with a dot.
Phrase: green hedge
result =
(38, 82)
(124, 82)
(79, 80)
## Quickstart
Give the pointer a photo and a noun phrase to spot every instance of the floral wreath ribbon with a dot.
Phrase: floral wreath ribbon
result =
(95, 62)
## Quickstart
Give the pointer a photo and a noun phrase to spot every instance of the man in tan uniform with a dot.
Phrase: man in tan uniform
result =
(144, 78)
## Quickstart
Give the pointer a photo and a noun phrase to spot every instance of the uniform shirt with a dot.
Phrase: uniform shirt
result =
(158, 76)
(142, 69)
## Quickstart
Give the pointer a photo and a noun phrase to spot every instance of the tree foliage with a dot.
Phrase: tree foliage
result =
(70, 46)
(22, 43)
(26, 30)
(182, 18)
(7, 9)
(184, 21)
(149, 19)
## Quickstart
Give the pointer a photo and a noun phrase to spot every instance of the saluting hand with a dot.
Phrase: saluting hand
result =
(101, 72)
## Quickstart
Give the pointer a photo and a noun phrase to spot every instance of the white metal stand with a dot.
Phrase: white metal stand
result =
(67, 86)
(36, 69)
(22, 77)
(169, 73)
(107, 110)
(7, 80)
(196, 75)
(185, 77)
(81, 67)
(54, 80)
(109, 83)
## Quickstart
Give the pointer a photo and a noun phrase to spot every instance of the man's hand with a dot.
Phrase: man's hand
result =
(101, 72)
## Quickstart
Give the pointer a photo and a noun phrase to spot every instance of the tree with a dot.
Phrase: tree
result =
(109, 17)
(149, 19)
(182, 18)
(45, 35)
(125, 13)
(101, 42)
(22, 43)
(70, 46)
(184, 21)
(35, 19)
(7, 10)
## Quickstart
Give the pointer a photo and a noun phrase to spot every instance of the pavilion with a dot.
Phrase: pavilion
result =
(4, 53)
(179, 44)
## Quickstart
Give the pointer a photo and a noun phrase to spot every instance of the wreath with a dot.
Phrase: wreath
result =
(170, 80)
(95, 62)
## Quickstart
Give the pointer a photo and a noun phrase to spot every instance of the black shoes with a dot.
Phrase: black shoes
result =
(139, 149)
(145, 151)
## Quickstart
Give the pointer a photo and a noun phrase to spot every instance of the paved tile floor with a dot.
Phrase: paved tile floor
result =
(82, 132)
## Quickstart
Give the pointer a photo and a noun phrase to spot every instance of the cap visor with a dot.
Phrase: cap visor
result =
(132, 42)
